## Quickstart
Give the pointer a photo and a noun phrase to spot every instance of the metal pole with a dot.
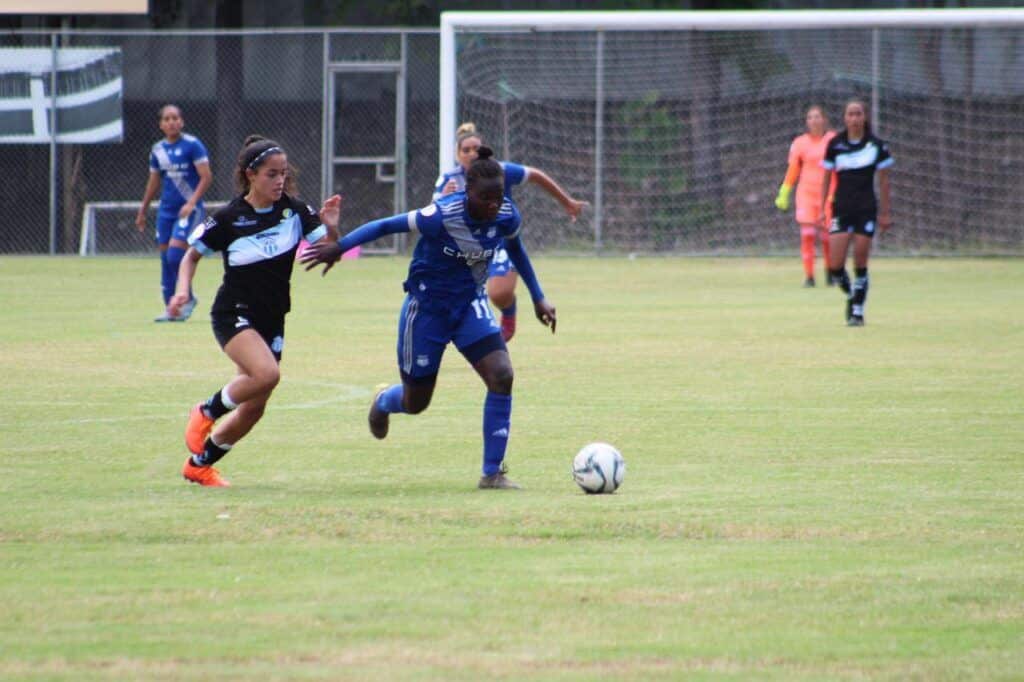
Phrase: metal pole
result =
(446, 94)
(400, 135)
(53, 143)
(326, 151)
(599, 143)
(875, 66)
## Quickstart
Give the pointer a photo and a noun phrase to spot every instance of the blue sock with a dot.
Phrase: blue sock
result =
(497, 419)
(166, 285)
(174, 256)
(509, 311)
(390, 399)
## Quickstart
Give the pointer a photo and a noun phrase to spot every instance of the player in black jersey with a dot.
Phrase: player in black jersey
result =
(855, 155)
(258, 234)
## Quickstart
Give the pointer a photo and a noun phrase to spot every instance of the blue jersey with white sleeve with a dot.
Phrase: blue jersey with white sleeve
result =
(450, 261)
(176, 164)
(515, 174)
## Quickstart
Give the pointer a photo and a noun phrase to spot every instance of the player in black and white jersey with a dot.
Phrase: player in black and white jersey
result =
(856, 156)
(258, 234)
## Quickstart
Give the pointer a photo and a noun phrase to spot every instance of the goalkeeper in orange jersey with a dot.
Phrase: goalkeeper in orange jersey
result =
(805, 155)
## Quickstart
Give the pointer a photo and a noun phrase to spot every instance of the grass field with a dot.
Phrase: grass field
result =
(803, 501)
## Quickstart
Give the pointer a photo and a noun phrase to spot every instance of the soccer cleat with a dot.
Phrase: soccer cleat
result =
(186, 310)
(197, 430)
(165, 318)
(849, 309)
(498, 481)
(206, 476)
(855, 321)
(508, 327)
(378, 419)
(809, 283)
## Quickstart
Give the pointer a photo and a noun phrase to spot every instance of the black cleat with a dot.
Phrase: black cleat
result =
(855, 321)
(809, 283)
(378, 418)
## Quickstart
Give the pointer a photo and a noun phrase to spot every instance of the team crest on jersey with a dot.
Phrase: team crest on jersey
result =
(428, 211)
(287, 213)
(201, 229)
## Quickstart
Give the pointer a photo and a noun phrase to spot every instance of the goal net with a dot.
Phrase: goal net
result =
(676, 125)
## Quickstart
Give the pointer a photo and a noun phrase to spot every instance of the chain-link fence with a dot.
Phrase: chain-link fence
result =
(682, 136)
(694, 128)
(324, 95)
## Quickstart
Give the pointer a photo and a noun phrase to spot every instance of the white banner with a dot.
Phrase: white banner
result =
(89, 95)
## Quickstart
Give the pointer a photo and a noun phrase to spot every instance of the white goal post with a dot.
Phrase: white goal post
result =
(127, 239)
(479, 51)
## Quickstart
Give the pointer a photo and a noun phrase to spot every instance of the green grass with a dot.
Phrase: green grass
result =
(803, 501)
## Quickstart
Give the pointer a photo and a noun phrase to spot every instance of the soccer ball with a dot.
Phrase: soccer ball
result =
(598, 468)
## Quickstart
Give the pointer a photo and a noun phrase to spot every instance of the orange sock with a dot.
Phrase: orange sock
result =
(807, 250)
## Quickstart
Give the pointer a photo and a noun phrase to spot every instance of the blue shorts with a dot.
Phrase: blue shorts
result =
(501, 264)
(168, 226)
(424, 330)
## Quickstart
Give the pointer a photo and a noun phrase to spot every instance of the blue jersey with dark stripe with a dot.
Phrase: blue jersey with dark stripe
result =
(176, 164)
(515, 174)
(449, 264)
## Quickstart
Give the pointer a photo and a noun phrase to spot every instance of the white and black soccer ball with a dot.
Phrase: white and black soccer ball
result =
(598, 468)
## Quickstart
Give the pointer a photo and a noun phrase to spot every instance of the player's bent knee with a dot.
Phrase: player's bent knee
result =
(267, 378)
(414, 404)
(499, 379)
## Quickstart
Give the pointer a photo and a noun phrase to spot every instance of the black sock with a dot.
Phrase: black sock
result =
(215, 407)
(860, 291)
(211, 454)
(842, 279)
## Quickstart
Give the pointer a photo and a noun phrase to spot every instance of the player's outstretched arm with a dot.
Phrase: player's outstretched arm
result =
(186, 273)
(572, 206)
(327, 252)
(517, 253)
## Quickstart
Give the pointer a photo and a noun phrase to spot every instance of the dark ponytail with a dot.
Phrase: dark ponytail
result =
(255, 151)
(484, 167)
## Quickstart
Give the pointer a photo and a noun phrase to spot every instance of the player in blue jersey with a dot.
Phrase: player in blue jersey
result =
(258, 234)
(446, 302)
(501, 287)
(179, 169)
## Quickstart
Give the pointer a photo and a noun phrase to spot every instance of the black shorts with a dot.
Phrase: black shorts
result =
(862, 222)
(227, 324)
